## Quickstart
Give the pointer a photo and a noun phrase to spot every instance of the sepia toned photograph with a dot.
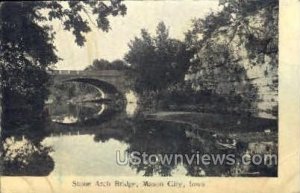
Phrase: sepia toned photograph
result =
(139, 89)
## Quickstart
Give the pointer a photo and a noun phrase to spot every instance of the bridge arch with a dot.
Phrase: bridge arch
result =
(105, 87)
(111, 85)
(109, 92)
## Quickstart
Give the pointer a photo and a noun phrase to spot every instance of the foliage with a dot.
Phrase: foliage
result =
(102, 64)
(73, 20)
(22, 157)
(27, 51)
(157, 61)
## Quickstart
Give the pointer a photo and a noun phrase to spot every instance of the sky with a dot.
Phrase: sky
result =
(113, 45)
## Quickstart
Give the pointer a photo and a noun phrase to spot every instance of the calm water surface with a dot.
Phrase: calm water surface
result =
(85, 137)
(80, 149)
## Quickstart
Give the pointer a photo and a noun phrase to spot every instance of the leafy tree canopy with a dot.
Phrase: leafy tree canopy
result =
(102, 64)
(157, 61)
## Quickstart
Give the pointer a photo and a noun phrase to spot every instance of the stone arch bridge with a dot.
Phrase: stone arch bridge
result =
(110, 82)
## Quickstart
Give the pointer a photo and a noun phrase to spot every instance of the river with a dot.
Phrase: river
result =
(100, 139)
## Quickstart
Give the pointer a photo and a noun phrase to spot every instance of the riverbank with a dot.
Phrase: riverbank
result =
(242, 128)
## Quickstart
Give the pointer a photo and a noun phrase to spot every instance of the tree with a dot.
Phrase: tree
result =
(27, 52)
(102, 64)
(119, 65)
(157, 61)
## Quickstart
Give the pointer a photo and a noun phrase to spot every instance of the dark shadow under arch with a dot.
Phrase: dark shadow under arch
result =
(106, 87)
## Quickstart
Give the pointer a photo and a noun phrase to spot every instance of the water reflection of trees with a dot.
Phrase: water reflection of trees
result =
(161, 138)
(24, 155)
(23, 129)
(24, 158)
(155, 138)
(120, 127)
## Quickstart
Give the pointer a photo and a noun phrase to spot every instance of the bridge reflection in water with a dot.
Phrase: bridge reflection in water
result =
(97, 143)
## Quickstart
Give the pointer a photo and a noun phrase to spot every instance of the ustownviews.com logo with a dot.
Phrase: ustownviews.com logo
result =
(137, 158)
